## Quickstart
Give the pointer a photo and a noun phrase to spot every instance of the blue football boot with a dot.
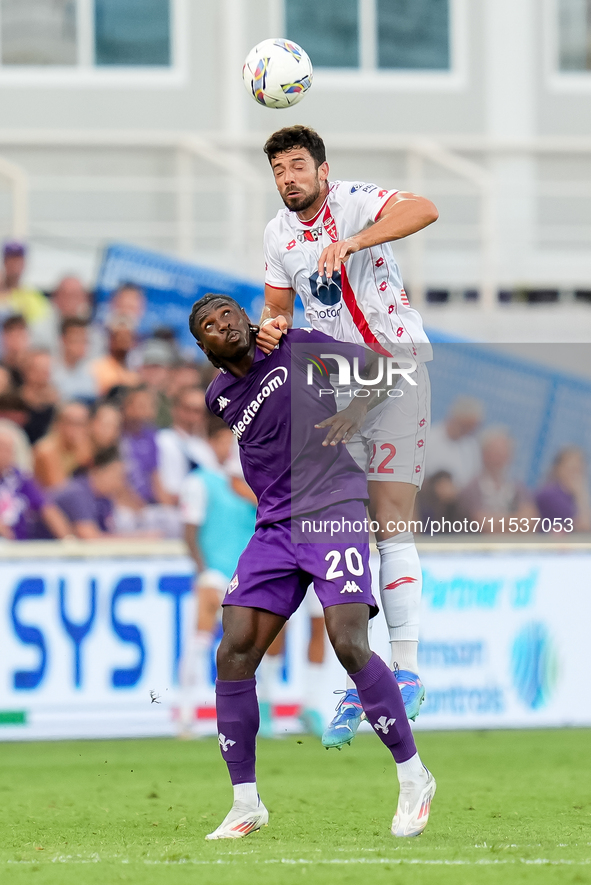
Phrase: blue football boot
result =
(343, 727)
(412, 690)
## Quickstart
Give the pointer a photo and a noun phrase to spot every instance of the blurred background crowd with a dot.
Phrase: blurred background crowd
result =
(469, 476)
(100, 427)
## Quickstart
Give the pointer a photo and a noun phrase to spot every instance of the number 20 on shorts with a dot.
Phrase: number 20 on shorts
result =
(353, 561)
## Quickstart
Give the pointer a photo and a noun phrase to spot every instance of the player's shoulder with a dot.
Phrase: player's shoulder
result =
(306, 335)
(345, 191)
(214, 394)
(279, 221)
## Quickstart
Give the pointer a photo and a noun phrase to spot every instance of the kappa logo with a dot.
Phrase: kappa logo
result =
(223, 402)
(233, 584)
(351, 587)
(384, 724)
(225, 743)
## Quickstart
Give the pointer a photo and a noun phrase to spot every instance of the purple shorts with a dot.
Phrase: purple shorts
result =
(273, 572)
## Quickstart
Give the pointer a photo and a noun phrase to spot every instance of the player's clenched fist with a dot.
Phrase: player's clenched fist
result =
(270, 333)
(336, 254)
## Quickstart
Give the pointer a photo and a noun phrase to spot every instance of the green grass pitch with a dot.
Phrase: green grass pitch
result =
(511, 807)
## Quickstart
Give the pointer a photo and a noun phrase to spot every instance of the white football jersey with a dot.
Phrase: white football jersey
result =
(365, 302)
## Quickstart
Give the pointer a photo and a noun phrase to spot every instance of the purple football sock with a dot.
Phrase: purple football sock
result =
(384, 707)
(238, 722)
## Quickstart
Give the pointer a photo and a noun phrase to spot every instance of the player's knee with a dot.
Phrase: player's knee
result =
(237, 650)
(353, 652)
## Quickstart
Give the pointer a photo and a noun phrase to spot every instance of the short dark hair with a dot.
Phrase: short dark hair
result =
(16, 321)
(104, 457)
(204, 302)
(296, 136)
(72, 323)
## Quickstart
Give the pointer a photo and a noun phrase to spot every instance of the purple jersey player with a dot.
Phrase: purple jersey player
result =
(308, 487)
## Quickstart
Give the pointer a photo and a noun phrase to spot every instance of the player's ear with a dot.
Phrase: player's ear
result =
(323, 171)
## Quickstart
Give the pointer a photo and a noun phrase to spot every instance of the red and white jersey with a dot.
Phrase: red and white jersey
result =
(365, 302)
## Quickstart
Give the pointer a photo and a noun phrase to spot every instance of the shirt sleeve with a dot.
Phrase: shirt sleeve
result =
(77, 506)
(275, 274)
(366, 201)
(193, 501)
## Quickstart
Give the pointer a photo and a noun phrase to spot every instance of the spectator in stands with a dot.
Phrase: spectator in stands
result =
(38, 393)
(566, 494)
(438, 500)
(14, 296)
(128, 301)
(112, 370)
(14, 414)
(184, 446)
(25, 513)
(156, 358)
(5, 380)
(139, 448)
(67, 448)
(493, 494)
(105, 426)
(70, 300)
(453, 445)
(16, 343)
(87, 500)
(72, 374)
(184, 375)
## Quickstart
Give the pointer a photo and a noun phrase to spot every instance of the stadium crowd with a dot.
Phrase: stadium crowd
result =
(469, 477)
(100, 426)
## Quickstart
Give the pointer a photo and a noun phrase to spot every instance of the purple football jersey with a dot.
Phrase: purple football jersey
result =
(272, 411)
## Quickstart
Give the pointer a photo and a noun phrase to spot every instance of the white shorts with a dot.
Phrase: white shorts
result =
(390, 447)
(211, 577)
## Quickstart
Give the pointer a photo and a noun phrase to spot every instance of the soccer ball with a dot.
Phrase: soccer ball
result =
(277, 73)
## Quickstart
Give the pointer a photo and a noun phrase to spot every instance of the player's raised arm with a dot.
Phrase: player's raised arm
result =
(276, 318)
(403, 214)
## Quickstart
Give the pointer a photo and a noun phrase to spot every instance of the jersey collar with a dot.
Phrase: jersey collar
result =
(318, 214)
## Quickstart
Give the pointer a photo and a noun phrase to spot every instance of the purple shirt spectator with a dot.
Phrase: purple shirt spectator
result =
(555, 502)
(140, 455)
(21, 500)
(81, 504)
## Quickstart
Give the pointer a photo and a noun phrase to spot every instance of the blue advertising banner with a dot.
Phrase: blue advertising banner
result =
(171, 287)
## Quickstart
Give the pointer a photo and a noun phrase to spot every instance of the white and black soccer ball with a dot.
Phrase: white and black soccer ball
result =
(277, 73)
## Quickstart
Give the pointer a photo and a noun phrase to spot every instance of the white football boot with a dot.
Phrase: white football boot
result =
(414, 804)
(240, 821)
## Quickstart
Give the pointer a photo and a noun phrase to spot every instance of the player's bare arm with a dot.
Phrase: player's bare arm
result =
(276, 318)
(404, 214)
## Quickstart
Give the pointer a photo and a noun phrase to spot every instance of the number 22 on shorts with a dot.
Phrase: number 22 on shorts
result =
(390, 451)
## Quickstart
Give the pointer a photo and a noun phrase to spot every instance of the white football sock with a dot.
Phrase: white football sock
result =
(411, 770)
(246, 794)
(401, 582)
(268, 676)
(403, 654)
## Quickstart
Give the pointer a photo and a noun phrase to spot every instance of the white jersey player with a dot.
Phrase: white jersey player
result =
(331, 246)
